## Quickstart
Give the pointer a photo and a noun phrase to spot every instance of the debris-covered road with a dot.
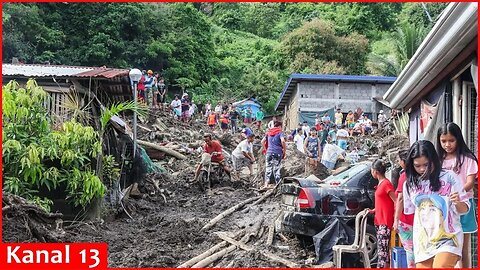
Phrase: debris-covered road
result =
(167, 217)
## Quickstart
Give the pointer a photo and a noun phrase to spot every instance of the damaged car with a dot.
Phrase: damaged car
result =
(310, 205)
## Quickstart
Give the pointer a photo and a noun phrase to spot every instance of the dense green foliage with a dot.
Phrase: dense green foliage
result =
(36, 158)
(221, 51)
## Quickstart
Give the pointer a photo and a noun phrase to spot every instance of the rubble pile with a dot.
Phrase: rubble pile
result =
(164, 219)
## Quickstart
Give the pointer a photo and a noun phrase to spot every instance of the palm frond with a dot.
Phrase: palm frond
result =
(140, 108)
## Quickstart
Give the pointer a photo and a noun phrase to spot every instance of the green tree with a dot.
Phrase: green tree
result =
(317, 40)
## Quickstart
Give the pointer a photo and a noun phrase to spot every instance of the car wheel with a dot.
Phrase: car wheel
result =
(371, 243)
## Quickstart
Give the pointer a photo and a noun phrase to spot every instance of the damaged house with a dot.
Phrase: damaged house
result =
(439, 84)
(305, 95)
(105, 86)
(90, 89)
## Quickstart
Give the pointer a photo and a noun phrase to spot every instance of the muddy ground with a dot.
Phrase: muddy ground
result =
(166, 231)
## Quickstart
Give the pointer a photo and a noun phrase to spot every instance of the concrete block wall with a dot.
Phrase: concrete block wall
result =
(312, 96)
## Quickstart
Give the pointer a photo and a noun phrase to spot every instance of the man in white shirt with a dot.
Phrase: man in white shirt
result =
(242, 156)
(176, 107)
(366, 125)
(381, 118)
(299, 139)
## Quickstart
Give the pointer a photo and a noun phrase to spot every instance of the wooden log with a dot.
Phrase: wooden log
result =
(144, 128)
(214, 257)
(163, 149)
(271, 229)
(208, 253)
(227, 212)
(267, 254)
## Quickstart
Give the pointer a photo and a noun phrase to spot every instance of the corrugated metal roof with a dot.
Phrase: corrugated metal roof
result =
(104, 72)
(33, 70)
(295, 78)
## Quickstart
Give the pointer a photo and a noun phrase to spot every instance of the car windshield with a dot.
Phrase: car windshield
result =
(343, 177)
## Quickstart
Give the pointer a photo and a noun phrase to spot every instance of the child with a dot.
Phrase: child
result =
(403, 223)
(437, 198)
(456, 156)
(311, 146)
(384, 212)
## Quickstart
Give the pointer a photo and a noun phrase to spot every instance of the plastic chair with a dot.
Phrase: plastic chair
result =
(358, 245)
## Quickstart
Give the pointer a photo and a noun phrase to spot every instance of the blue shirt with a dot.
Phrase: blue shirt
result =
(275, 144)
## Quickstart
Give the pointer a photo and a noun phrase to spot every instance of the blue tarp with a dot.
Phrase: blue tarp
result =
(242, 106)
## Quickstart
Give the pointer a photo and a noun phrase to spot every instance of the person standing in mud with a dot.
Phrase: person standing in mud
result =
(242, 156)
(214, 148)
(275, 148)
(185, 107)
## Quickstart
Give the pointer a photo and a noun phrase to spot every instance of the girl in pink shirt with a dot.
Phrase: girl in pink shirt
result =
(455, 156)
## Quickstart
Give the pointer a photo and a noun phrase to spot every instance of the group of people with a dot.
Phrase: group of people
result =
(227, 117)
(151, 89)
(432, 208)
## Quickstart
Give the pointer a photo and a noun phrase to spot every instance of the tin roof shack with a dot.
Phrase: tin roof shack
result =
(439, 84)
(100, 84)
(305, 95)
(94, 87)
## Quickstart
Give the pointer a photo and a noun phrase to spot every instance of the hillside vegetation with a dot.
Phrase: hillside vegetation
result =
(221, 51)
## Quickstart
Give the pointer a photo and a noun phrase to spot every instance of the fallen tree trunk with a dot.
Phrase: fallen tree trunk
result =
(166, 150)
(267, 254)
(227, 212)
(214, 257)
(207, 253)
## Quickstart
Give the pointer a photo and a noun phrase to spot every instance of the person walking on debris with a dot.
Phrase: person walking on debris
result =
(338, 117)
(149, 80)
(306, 129)
(192, 109)
(438, 199)
(162, 93)
(342, 137)
(350, 120)
(242, 156)
(384, 212)
(176, 107)
(326, 119)
(332, 135)
(233, 114)
(224, 121)
(381, 119)
(208, 109)
(185, 107)
(141, 88)
(212, 120)
(299, 139)
(311, 147)
(214, 148)
(275, 148)
(403, 223)
(218, 109)
(259, 118)
(457, 157)
(318, 121)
